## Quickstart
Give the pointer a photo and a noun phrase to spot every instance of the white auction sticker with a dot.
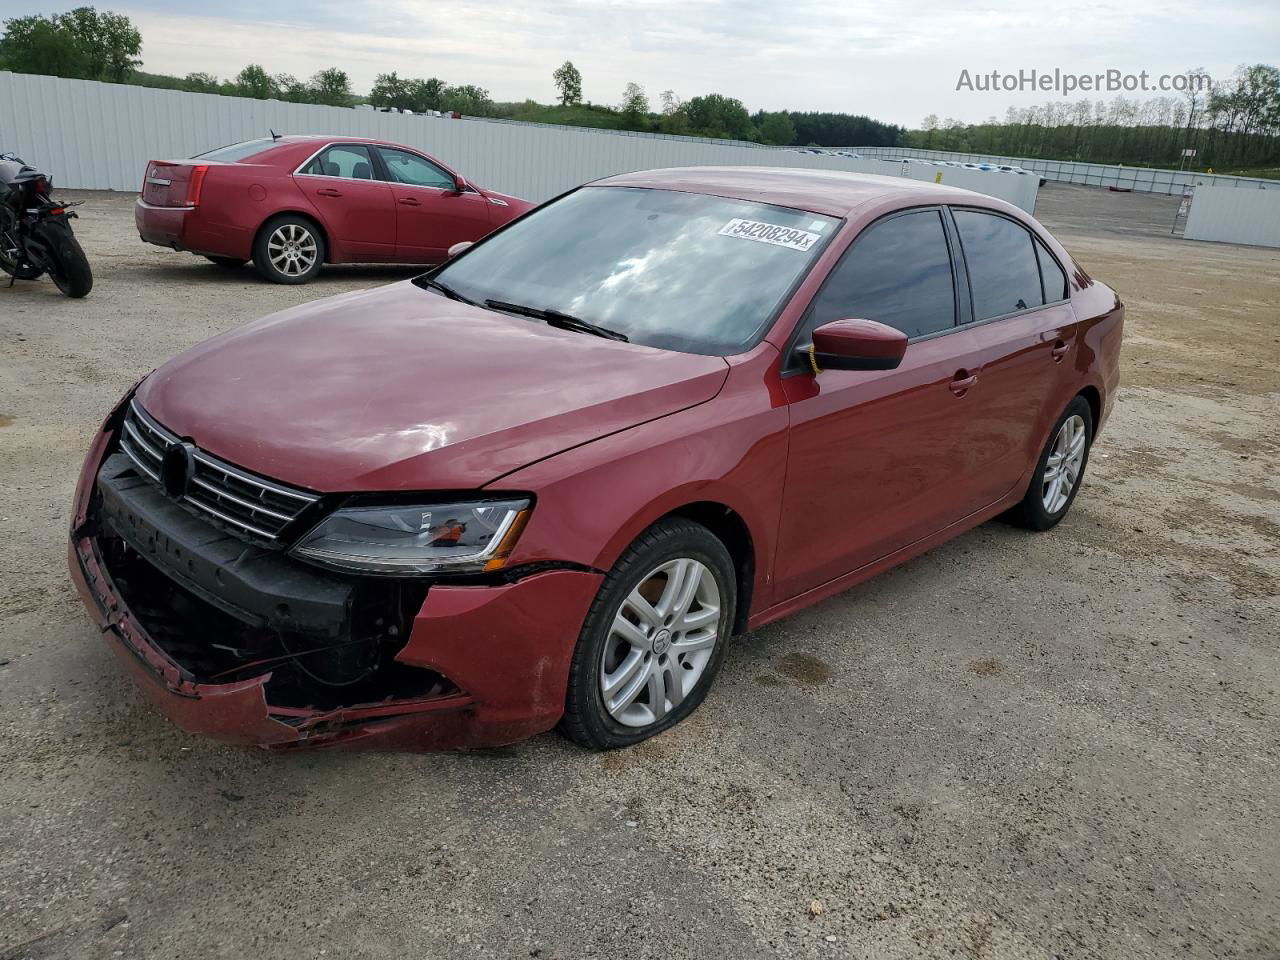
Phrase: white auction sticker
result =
(770, 233)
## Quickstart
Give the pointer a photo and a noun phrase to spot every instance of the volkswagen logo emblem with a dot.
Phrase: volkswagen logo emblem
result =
(176, 468)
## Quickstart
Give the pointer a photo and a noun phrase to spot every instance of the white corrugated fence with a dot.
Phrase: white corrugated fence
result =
(94, 135)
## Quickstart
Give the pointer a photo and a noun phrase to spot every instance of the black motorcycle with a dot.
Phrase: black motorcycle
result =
(35, 231)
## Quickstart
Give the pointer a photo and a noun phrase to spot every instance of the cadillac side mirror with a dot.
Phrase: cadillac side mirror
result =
(458, 247)
(459, 184)
(855, 345)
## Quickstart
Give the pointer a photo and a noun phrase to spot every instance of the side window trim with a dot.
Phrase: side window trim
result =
(1041, 249)
(790, 368)
(379, 148)
(1036, 243)
(301, 169)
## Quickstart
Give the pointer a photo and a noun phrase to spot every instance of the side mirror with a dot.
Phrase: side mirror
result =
(458, 247)
(856, 345)
(459, 184)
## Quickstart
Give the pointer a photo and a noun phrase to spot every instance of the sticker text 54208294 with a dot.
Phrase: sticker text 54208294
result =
(770, 233)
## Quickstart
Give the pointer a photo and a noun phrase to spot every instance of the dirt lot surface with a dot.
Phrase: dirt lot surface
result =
(1061, 745)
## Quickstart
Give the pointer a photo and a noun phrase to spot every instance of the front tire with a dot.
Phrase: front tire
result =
(288, 249)
(1059, 471)
(654, 638)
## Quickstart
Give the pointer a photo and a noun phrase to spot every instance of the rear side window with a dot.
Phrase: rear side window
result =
(898, 272)
(1055, 281)
(348, 160)
(1004, 275)
(411, 169)
(236, 151)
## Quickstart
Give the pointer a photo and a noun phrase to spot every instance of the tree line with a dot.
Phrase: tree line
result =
(1231, 125)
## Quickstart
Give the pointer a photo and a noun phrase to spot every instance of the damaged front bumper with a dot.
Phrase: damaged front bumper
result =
(261, 649)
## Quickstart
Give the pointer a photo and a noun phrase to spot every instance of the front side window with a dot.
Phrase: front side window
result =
(411, 169)
(898, 272)
(1004, 275)
(680, 271)
(349, 161)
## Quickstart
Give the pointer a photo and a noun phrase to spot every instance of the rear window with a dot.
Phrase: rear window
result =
(1055, 281)
(236, 151)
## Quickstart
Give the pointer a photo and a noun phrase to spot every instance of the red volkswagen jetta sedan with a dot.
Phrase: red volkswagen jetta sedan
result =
(293, 204)
(548, 482)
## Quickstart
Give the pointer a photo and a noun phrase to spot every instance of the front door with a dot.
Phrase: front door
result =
(431, 215)
(874, 459)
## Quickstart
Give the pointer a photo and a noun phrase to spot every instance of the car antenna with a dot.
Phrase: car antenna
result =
(274, 135)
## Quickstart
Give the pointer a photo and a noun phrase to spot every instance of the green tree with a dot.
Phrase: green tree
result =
(777, 128)
(201, 83)
(569, 83)
(468, 99)
(109, 42)
(635, 106)
(389, 91)
(81, 44)
(424, 95)
(254, 81)
(330, 86)
(38, 44)
(716, 115)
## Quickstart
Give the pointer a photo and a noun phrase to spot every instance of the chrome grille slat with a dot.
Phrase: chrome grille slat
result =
(256, 508)
(230, 495)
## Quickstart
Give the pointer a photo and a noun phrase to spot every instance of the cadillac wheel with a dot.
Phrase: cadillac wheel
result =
(654, 638)
(289, 249)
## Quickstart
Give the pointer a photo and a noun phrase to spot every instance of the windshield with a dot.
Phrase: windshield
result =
(681, 271)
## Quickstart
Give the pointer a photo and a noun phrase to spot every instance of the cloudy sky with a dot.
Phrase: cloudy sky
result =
(893, 61)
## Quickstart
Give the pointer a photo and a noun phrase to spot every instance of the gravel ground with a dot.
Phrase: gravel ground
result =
(1060, 745)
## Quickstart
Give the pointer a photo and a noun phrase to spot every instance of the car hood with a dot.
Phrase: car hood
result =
(399, 388)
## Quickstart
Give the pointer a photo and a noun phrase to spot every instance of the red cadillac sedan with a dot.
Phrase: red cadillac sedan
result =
(293, 204)
(548, 482)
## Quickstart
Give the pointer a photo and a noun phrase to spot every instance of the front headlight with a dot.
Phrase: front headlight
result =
(434, 538)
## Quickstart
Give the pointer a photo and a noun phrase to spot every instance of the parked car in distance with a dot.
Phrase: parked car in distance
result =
(547, 482)
(293, 204)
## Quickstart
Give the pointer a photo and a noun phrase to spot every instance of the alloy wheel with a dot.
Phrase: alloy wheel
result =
(292, 249)
(1062, 469)
(660, 641)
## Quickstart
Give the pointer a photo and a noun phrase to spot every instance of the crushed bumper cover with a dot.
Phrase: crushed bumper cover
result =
(505, 647)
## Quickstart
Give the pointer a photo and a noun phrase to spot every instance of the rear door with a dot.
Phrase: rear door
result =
(431, 216)
(357, 208)
(1025, 324)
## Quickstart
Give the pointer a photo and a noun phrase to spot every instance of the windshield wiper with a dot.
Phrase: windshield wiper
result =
(444, 288)
(555, 318)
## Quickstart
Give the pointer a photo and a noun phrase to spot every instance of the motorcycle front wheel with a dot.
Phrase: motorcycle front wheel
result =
(68, 265)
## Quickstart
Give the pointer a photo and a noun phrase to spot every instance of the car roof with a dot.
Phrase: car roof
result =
(831, 192)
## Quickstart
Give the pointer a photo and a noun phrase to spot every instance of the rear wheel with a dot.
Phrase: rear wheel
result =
(1059, 471)
(228, 262)
(654, 638)
(69, 267)
(289, 249)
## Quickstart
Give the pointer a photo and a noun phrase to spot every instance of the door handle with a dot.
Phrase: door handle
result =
(1059, 350)
(329, 192)
(409, 202)
(961, 382)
